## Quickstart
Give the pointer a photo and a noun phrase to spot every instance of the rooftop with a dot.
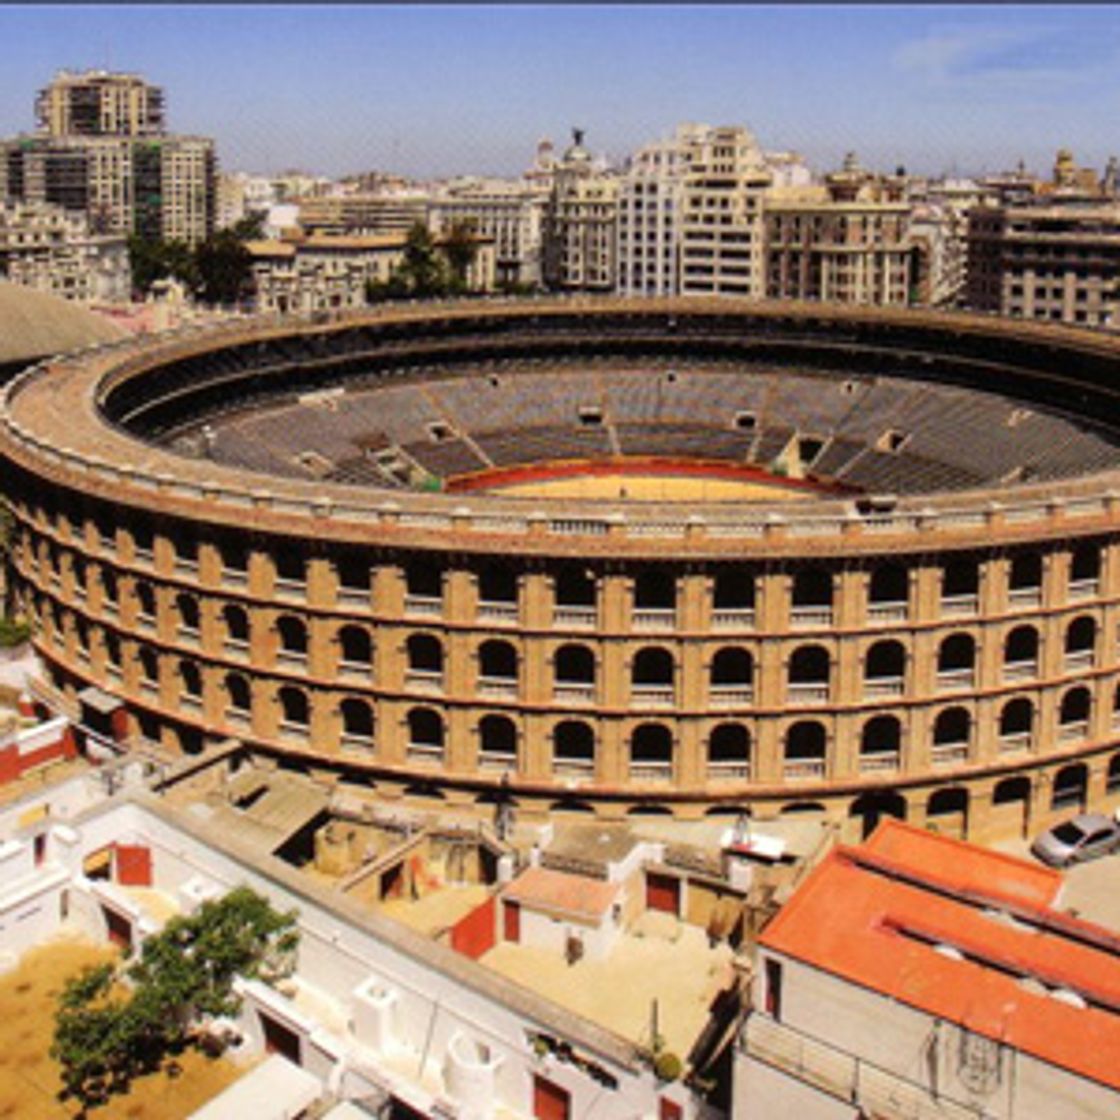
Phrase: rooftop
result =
(966, 935)
(541, 888)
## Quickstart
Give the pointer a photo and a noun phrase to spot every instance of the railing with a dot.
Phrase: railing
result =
(803, 618)
(653, 695)
(291, 659)
(959, 606)
(1020, 671)
(190, 703)
(733, 618)
(651, 771)
(145, 622)
(1078, 659)
(424, 680)
(423, 604)
(799, 769)
(500, 687)
(189, 636)
(238, 717)
(952, 680)
(497, 760)
(1014, 742)
(351, 742)
(1019, 598)
(731, 695)
(878, 762)
(143, 556)
(726, 771)
(1080, 589)
(654, 618)
(888, 612)
(574, 691)
(870, 1089)
(813, 692)
(944, 754)
(294, 732)
(355, 670)
(236, 647)
(353, 596)
(425, 753)
(582, 618)
(498, 612)
(236, 579)
(573, 767)
(188, 569)
(1074, 729)
(290, 588)
(876, 688)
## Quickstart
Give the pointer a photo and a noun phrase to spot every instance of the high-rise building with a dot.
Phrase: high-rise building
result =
(580, 239)
(116, 164)
(98, 103)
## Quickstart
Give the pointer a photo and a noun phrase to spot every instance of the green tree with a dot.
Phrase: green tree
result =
(420, 269)
(224, 268)
(459, 249)
(183, 976)
(152, 260)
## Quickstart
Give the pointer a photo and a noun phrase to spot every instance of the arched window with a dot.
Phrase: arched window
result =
(239, 694)
(575, 587)
(497, 660)
(149, 665)
(112, 649)
(575, 664)
(651, 752)
(805, 750)
(187, 608)
(1020, 653)
(732, 667)
(952, 731)
(109, 589)
(888, 592)
(357, 722)
(145, 601)
(957, 653)
(355, 647)
(294, 711)
(1081, 639)
(425, 655)
(880, 744)
(423, 583)
(811, 598)
(1024, 580)
(960, 584)
(655, 590)
(652, 668)
(425, 735)
(497, 743)
(191, 679)
(573, 748)
(1073, 717)
(733, 590)
(293, 635)
(497, 583)
(885, 667)
(1071, 785)
(1084, 571)
(809, 674)
(237, 627)
(1016, 724)
(729, 751)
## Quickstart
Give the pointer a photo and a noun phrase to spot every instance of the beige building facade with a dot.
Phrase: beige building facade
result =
(100, 103)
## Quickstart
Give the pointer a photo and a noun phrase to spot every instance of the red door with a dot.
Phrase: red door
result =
(550, 1102)
(663, 893)
(511, 921)
(119, 928)
(134, 865)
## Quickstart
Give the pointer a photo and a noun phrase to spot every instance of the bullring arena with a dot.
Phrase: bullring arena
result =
(604, 556)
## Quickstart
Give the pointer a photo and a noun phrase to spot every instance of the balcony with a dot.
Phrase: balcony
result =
(428, 605)
(1015, 742)
(888, 612)
(878, 762)
(292, 659)
(143, 556)
(1072, 731)
(425, 754)
(1019, 671)
(574, 692)
(238, 717)
(1024, 598)
(1078, 659)
(731, 695)
(573, 767)
(959, 606)
(811, 692)
(355, 670)
(353, 596)
(733, 618)
(145, 622)
(501, 688)
(236, 579)
(739, 771)
(424, 680)
(652, 695)
(504, 614)
(189, 636)
(351, 742)
(190, 704)
(659, 772)
(955, 680)
(497, 762)
(185, 569)
(879, 688)
(236, 647)
(803, 769)
(293, 732)
(653, 618)
(575, 618)
(1081, 589)
(290, 588)
(947, 754)
(811, 617)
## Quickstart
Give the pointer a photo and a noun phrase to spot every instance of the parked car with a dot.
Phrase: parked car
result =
(1085, 836)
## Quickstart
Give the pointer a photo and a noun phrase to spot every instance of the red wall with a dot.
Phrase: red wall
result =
(476, 933)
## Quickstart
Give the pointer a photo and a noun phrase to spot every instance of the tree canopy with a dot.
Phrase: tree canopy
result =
(429, 268)
(106, 1034)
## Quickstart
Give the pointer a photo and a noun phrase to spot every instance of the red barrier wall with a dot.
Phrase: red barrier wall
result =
(476, 933)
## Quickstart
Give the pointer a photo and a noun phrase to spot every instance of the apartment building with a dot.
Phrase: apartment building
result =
(580, 229)
(509, 213)
(1056, 262)
(52, 250)
(920, 976)
(721, 214)
(322, 272)
(845, 241)
(100, 103)
(117, 166)
(363, 214)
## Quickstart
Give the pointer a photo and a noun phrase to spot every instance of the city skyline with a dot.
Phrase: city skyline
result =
(435, 91)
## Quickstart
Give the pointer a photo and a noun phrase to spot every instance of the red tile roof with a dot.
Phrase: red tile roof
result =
(872, 915)
(541, 888)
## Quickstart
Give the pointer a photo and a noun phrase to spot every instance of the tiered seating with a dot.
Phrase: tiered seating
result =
(530, 445)
(446, 458)
(684, 440)
(770, 444)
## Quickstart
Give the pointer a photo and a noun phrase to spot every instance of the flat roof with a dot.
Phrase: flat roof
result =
(274, 1090)
(542, 888)
(956, 931)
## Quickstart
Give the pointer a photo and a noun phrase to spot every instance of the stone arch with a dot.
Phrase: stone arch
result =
(729, 751)
(425, 653)
(497, 659)
(1071, 788)
(871, 807)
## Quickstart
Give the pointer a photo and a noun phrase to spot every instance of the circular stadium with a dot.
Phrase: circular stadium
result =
(598, 556)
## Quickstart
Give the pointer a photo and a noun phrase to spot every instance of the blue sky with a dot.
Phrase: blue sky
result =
(434, 90)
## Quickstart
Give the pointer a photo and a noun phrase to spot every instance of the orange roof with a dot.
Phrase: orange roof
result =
(541, 888)
(873, 916)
